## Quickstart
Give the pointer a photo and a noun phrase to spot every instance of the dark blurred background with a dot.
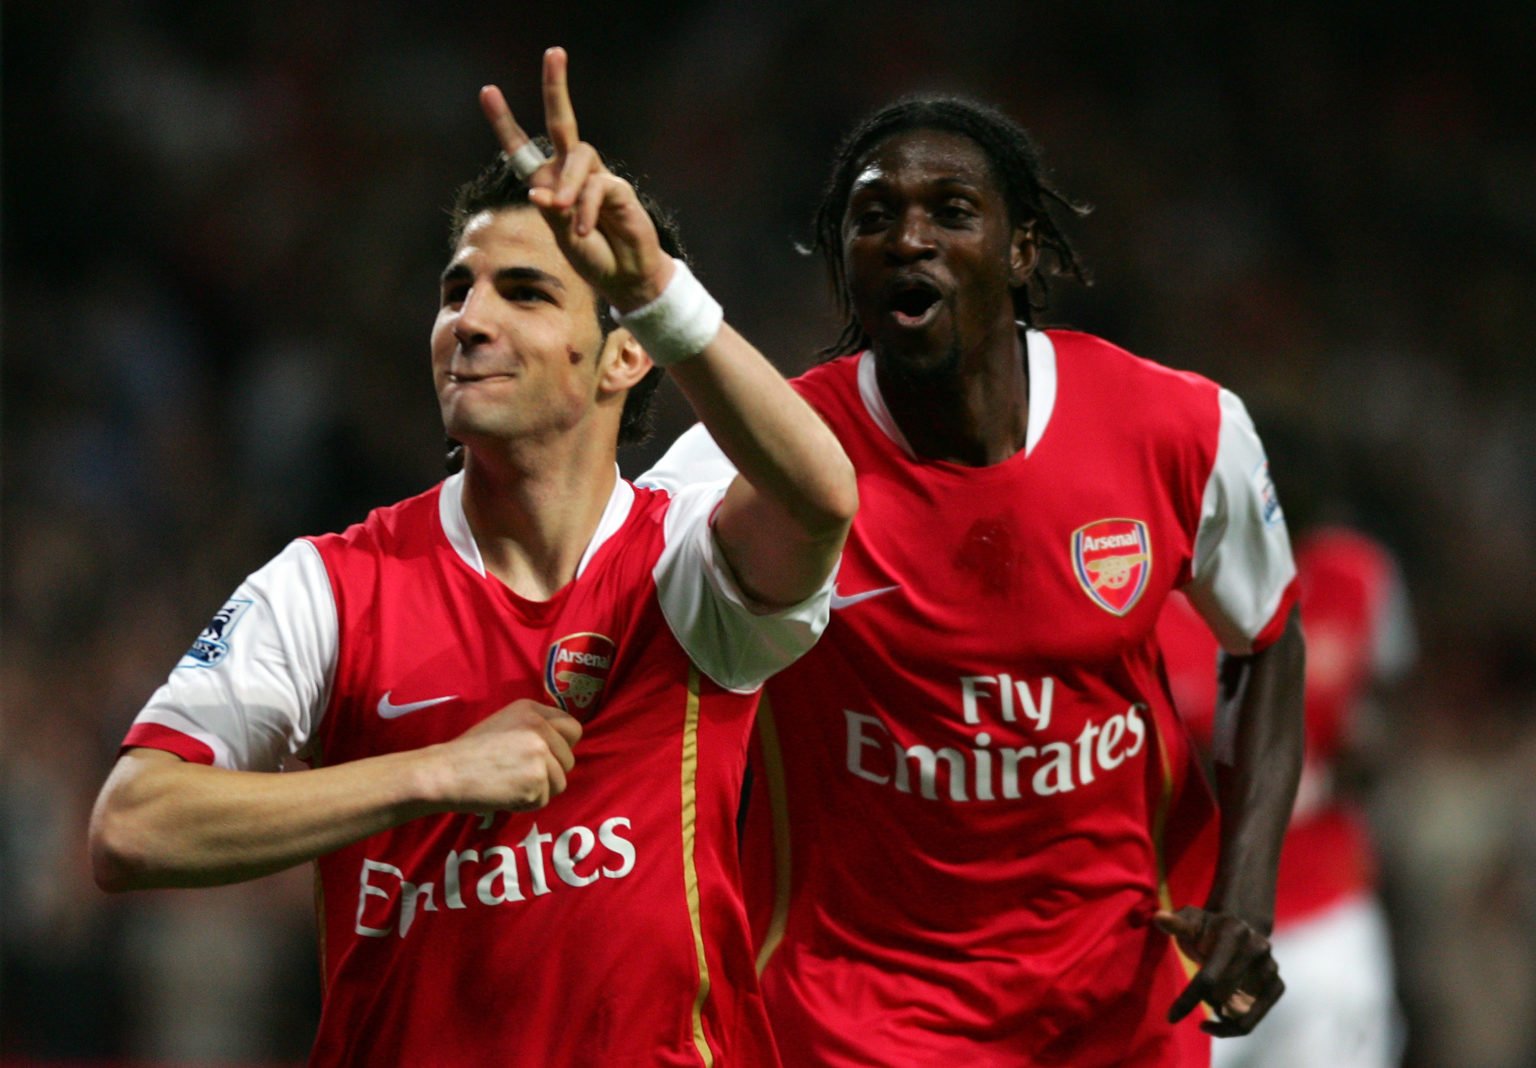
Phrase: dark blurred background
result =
(223, 223)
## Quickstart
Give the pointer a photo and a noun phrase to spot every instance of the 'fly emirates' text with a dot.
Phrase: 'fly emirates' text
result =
(387, 902)
(984, 772)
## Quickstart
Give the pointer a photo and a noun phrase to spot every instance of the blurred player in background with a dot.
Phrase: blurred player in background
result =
(969, 800)
(487, 895)
(1330, 930)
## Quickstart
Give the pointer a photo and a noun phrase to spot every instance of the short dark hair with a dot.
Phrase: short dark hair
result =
(497, 187)
(1016, 165)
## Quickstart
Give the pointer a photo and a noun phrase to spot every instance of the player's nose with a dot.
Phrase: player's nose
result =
(475, 323)
(910, 237)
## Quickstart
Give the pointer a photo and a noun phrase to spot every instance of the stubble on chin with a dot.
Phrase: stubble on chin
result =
(463, 422)
(913, 372)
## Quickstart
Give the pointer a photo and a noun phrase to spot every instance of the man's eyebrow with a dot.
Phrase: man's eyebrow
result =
(881, 180)
(868, 180)
(956, 180)
(460, 272)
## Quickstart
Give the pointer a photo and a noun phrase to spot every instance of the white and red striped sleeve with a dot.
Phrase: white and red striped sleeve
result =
(1243, 575)
(731, 639)
(253, 686)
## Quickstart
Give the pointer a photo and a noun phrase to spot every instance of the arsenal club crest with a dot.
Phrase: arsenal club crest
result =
(577, 669)
(1112, 559)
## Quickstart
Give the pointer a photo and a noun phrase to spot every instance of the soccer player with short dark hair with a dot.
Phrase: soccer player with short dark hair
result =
(973, 803)
(502, 880)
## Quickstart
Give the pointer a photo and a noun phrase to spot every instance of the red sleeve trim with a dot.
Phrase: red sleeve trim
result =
(1276, 625)
(154, 736)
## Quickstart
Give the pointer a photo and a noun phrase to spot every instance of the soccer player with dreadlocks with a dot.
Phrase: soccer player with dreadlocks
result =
(977, 833)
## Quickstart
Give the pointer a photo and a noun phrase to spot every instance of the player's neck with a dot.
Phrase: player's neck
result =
(533, 519)
(976, 413)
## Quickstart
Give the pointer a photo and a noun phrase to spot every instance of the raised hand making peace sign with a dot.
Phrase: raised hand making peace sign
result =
(596, 216)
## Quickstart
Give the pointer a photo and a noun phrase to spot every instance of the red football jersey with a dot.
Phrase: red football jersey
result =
(606, 928)
(1358, 633)
(969, 797)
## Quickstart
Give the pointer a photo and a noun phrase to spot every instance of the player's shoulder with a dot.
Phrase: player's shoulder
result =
(838, 376)
(1145, 397)
(1110, 363)
(390, 528)
(650, 504)
(640, 533)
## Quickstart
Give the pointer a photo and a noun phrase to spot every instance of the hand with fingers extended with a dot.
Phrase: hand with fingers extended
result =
(1238, 977)
(597, 217)
(514, 759)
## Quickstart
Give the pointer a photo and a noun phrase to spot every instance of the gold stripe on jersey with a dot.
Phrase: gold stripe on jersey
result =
(690, 870)
(773, 769)
(1160, 818)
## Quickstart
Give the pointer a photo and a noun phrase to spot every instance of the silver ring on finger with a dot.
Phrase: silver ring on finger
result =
(526, 160)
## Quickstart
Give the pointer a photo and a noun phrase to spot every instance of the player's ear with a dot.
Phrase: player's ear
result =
(1023, 254)
(623, 362)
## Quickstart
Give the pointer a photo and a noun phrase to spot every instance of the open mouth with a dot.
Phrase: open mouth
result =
(914, 302)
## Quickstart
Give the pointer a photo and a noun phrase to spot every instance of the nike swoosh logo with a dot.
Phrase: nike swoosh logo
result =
(839, 601)
(393, 711)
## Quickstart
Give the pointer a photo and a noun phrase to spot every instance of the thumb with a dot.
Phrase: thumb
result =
(1182, 924)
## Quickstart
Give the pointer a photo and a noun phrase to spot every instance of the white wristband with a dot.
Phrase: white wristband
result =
(679, 323)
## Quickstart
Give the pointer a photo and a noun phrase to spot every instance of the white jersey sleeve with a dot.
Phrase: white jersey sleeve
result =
(256, 681)
(1243, 565)
(731, 641)
(693, 458)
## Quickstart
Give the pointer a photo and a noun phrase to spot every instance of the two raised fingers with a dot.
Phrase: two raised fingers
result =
(565, 185)
(559, 115)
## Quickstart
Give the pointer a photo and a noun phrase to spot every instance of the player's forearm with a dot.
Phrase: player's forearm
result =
(162, 822)
(772, 436)
(1256, 780)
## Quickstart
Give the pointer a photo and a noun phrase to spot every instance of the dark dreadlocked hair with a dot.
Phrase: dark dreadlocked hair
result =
(1016, 166)
(498, 187)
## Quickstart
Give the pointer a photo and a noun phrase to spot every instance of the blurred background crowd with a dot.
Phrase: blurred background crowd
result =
(222, 228)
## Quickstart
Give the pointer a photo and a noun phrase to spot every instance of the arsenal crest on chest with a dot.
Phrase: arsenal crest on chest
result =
(1112, 559)
(577, 669)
